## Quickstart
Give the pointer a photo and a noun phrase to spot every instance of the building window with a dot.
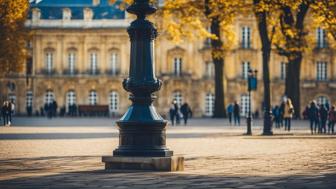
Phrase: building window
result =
(209, 69)
(114, 63)
(114, 102)
(93, 98)
(177, 66)
(177, 96)
(49, 61)
(283, 70)
(209, 104)
(245, 69)
(72, 62)
(93, 63)
(70, 99)
(246, 37)
(321, 71)
(29, 99)
(245, 104)
(49, 97)
(322, 100)
(321, 41)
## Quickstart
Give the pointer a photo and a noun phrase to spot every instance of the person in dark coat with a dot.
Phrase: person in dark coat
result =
(177, 113)
(323, 118)
(172, 112)
(236, 113)
(5, 110)
(229, 110)
(282, 112)
(186, 112)
(54, 108)
(313, 116)
(331, 120)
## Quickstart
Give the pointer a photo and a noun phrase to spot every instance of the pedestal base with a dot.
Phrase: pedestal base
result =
(174, 163)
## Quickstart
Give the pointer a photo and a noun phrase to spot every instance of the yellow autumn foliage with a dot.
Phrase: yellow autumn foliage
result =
(13, 35)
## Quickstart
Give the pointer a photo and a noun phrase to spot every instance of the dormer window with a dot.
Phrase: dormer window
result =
(36, 14)
(95, 2)
(88, 14)
(66, 14)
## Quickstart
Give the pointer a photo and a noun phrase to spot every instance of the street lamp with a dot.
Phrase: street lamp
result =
(142, 131)
(252, 83)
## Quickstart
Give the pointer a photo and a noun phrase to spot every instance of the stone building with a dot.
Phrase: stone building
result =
(79, 54)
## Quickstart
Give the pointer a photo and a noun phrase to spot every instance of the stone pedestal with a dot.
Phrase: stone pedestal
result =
(173, 163)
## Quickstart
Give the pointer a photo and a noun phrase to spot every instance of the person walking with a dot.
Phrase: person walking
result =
(172, 113)
(177, 113)
(276, 114)
(313, 116)
(331, 120)
(282, 112)
(288, 114)
(323, 118)
(229, 110)
(186, 112)
(11, 108)
(5, 111)
(236, 113)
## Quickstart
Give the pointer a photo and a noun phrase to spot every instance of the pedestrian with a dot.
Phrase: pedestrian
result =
(5, 111)
(331, 120)
(236, 113)
(313, 116)
(186, 112)
(288, 114)
(323, 118)
(11, 107)
(54, 108)
(276, 114)
(282, 113)
(172, 113)
(229, 110)
(177, 113)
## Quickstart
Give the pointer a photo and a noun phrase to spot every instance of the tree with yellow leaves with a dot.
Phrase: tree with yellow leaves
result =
(325, 15)
(199, 20)
(13, 35)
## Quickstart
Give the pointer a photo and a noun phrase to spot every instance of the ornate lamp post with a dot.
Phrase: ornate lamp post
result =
(252, 83)
(142, 131)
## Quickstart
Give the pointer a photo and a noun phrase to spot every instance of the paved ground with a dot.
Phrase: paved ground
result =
(66, 153)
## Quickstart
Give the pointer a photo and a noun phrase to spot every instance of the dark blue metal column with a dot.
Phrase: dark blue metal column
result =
(142, 129)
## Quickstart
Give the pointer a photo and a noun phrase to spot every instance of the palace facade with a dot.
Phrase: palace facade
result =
(79, 54)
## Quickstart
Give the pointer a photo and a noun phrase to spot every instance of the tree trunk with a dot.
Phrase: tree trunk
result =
(216, 44)
(293, 83)
(266, 52)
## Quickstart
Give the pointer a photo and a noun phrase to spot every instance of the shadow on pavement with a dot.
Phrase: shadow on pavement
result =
(147, 180)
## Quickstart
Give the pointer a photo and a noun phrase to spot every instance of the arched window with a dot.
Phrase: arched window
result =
(114, 62)
(209, 104)
(177, 96)
(93, 62)
(322, 100)
(72, 62)
(49, 97)
(49, 61)
(70, 99)
(114, 102)
(177, 66)
(93, 97)
(245, 104)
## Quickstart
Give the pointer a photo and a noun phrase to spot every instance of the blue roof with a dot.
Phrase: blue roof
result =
(52, 9)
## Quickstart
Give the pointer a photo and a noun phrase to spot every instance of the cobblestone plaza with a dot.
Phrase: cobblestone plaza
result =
(66, 153)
